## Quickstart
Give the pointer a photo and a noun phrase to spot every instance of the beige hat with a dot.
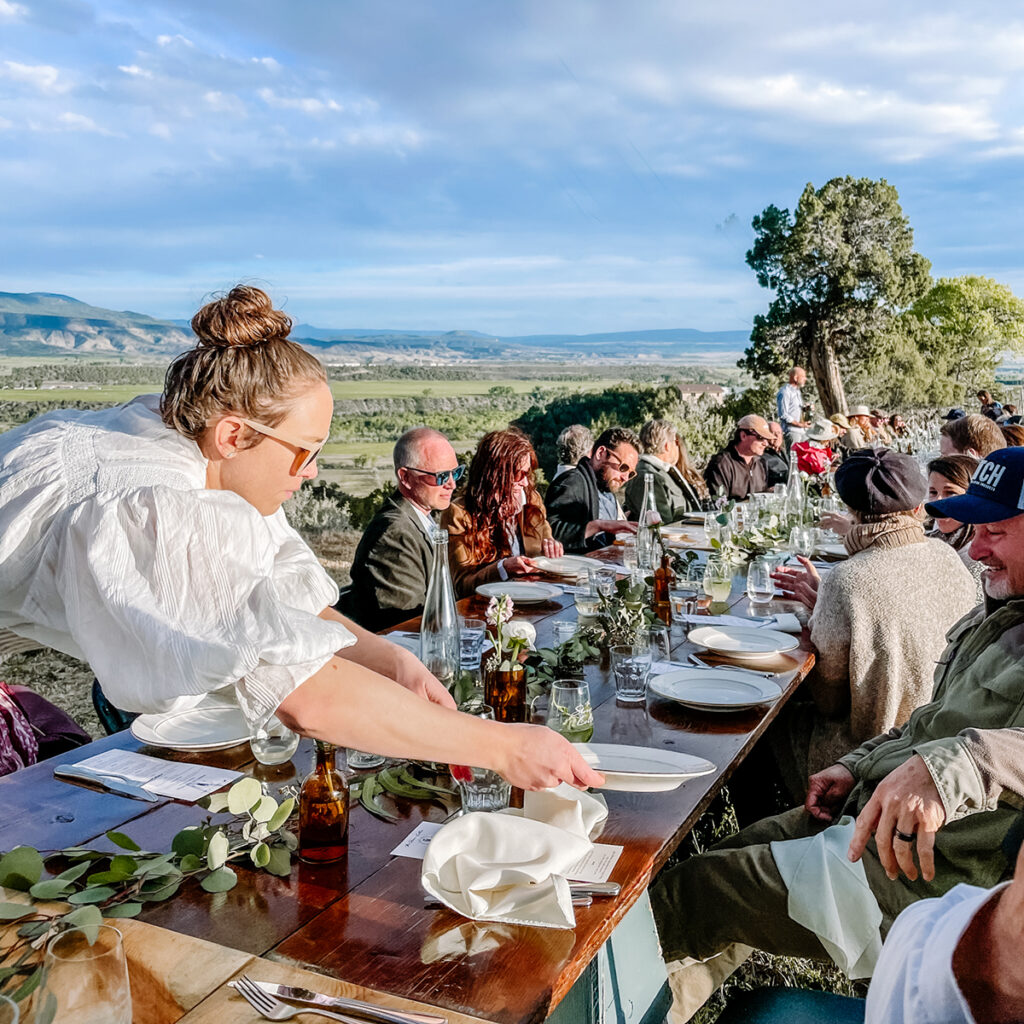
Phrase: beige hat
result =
(757, 424)
(822, 430)
(840, 420)
(860, 410)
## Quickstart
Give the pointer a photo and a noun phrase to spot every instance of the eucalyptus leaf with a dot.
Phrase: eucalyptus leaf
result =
(50, 889)
(280, 862)
(21, 868)
(190, 862)
(125, 910)
(27, 987)
(87, 918)
(93, 894)
(217, 853)
(123, 865)
(265, 809)
(75, 872)
(260, 855)
(190, 840)
(160, 889)
(215, 802)
(281, 815)
(244, 795)
(13, 911)
(125, 842)
(220, 880)
(155, 865)
(34, 928)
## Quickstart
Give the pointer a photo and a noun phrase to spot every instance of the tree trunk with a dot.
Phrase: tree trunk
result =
(825, 367)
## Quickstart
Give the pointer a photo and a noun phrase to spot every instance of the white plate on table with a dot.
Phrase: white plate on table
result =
(521, 593)
(565, 565)
(210, 727)
(714, 689)
(404, 640)
(833, 550)
(745, 642)
(642, 769)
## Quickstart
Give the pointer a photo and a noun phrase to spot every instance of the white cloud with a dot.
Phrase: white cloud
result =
(175, 39)
(224, 103)
(44, 77)
(11, 10)
(267, 62)
(81, 123)
(160, 130)
(307, 104)
(134, 70)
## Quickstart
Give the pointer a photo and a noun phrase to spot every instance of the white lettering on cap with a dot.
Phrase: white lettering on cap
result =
(988, 475)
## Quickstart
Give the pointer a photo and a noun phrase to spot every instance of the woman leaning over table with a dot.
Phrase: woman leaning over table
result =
(499, 524)
(149, 539)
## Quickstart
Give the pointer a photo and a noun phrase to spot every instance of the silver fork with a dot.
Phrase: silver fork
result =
(271, 1008)
(695, 659)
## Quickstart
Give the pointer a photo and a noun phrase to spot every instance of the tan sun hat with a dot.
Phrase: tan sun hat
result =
(860, 410)
(822, 430)
(758, 424)
(840, 420)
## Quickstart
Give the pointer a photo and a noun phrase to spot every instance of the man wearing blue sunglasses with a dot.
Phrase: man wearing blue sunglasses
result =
(391, 567)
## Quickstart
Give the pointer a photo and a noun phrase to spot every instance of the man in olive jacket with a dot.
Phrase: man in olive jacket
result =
(937, 794)
(392, 564)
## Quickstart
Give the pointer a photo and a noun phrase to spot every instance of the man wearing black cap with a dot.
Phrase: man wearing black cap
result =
(932, 799)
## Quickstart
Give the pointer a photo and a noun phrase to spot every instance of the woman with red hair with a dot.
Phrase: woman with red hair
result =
(499, 524)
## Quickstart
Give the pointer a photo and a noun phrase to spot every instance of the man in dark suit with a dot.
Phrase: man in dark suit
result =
(392, 564)
(581, 504)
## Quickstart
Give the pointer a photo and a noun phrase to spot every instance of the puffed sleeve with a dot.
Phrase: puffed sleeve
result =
(171, 593)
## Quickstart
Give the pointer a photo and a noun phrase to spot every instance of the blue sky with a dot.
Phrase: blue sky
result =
(508, 166)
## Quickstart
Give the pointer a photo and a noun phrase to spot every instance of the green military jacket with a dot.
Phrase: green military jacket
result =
(971, 737)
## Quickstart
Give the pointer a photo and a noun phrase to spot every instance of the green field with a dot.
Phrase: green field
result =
(339, 388)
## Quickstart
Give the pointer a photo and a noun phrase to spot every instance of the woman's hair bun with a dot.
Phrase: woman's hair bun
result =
(243, 316)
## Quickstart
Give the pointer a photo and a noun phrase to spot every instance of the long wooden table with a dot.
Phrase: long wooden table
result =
(363, 921)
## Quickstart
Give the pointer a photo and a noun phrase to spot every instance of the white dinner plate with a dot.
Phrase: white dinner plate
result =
(714, 689)
(215, 727)
(642, 769)
(404, 640)
(521, 593)
(745, 642)
(565, 565)
(833, 549)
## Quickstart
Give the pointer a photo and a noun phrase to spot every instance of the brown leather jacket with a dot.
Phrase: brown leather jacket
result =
(467, 572)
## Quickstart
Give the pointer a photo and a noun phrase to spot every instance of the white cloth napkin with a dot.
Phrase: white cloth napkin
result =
(784, 621)
(830, 895)
(511, 868)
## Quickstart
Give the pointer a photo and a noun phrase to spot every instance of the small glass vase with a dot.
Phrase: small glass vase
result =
(505, 691)
(323, 810)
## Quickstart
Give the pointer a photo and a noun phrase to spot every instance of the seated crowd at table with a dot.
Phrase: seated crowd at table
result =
(149, 540)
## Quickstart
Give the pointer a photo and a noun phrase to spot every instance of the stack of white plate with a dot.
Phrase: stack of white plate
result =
(745, 643)
(213, 726)
(713, 689)
(521, 593)
(566, 565)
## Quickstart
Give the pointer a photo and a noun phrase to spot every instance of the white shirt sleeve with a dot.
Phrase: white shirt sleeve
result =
(171, 593)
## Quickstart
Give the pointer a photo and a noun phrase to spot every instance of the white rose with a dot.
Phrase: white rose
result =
(520, 629)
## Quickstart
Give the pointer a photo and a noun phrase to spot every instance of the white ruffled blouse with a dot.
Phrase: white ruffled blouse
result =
(113, 550)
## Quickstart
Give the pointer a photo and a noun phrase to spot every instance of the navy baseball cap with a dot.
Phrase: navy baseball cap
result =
(955, 414)
(996, 491)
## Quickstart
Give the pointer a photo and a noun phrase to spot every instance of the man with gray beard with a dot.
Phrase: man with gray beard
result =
(932, 799)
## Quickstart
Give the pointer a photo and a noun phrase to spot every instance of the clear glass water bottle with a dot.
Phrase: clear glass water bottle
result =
(646, 556)
(794, 494)
(439, 627)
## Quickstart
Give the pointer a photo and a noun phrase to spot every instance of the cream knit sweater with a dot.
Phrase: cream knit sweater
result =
(879, 627)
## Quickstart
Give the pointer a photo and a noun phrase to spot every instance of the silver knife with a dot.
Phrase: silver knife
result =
(114, 783)
(367, 1011)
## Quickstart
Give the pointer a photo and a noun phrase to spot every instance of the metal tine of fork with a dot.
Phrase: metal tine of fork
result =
(259, 1000)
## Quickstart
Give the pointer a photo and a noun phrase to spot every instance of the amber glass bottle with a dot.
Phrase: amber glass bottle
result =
(323, 810)
(664, 578)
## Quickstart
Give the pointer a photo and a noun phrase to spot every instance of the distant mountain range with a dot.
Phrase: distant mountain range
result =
(41, 324)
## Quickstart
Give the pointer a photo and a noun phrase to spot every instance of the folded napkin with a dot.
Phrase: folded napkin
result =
(784, 621)
(512, 868)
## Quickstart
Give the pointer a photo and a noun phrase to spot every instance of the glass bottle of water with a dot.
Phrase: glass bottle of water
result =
(794, 493)
(439, 627)
(646, 555)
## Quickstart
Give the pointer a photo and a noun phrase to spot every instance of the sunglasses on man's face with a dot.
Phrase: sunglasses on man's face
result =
(755, 434)
(621, 467)
(305, 453)
(440, 479)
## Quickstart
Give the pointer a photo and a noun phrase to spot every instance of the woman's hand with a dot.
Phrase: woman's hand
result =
(799, 584)
(517, 565)
(552, 548)
(536, 757)
(837, 522)
(416, 677)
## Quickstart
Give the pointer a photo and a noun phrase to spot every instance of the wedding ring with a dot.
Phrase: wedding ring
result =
(906, 837)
